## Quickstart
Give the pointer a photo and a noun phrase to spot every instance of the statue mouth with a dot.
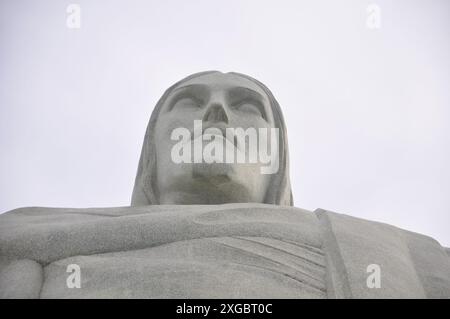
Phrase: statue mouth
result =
(229, 142)
(223, 136)
(226, 145)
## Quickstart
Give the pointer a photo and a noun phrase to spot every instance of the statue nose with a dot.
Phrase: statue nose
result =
(215, 113)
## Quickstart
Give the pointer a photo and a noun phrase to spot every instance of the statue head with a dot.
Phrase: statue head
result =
(211, 139)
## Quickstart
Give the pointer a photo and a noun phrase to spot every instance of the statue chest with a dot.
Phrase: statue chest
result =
(215, 267)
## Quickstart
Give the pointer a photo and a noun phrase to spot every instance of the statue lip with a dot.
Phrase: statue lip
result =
(222, 128)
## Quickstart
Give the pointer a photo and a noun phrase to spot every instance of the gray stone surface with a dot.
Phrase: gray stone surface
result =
(229, 250)
(412, 265)
(161, 181)
(213, 230)
(20, 278)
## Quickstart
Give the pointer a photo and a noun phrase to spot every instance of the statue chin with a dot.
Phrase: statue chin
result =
(208, 183)
(206, 186)
(214, 171)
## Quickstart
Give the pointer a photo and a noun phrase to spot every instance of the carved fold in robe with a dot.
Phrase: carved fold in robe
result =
(213, 251)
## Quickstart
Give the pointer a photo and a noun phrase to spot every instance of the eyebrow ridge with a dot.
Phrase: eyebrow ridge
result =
(248, 90)
(191, 86)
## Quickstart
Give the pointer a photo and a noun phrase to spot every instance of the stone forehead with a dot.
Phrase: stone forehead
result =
(219, 80)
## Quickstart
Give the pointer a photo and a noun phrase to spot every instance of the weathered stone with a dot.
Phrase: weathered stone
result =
(213, 230)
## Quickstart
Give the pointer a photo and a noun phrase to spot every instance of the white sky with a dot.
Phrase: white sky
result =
(366, 110)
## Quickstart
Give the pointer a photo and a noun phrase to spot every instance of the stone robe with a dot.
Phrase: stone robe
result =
(213, 251)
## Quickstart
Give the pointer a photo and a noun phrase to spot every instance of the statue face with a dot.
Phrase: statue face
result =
(219, 101)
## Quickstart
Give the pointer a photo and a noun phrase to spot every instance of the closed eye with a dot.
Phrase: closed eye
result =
(186, 101)
(193, 95)
(250, 106)
(247, 100)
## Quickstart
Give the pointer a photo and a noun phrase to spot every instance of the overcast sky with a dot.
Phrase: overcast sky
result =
(367, 109)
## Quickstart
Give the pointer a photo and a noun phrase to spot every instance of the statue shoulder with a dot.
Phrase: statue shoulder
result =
(415, 262)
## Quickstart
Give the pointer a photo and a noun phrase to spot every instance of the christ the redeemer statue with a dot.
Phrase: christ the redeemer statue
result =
(204, 225)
